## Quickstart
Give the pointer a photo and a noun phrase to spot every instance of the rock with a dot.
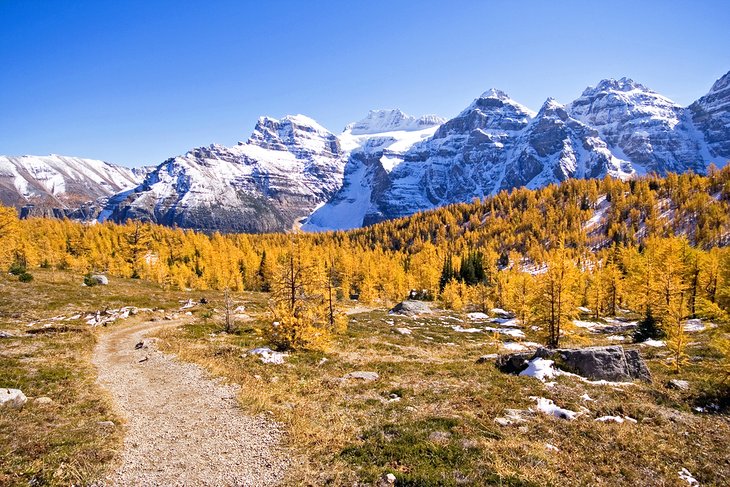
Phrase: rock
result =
(362, 375)
(403, 331)
(43, 400)
(611, 363)
(6, 334)
(678, 384)
(106, 424)
(502, 421)
(139, 345)
(487, 358)
(100, 279)
(410, 308)
(13, 398)
(386, 480)
(439, 436)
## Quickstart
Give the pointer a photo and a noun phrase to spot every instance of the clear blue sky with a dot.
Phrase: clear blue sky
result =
(136, 82)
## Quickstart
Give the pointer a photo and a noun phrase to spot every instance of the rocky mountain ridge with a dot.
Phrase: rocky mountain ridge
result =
(293, 171)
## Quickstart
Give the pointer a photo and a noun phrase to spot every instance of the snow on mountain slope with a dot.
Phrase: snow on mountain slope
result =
(376, 146)
(286, 169)
(58, 185)
(711, 115)
(641, 126)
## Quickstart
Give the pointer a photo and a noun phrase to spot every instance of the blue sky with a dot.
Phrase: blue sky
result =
(136, 82)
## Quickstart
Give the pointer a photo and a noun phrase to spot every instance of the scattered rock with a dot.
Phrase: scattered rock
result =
(143, 360)
(439, 436)
(678, 384)
(203, 301)
(100, 279)
(387, 480)
(106, 424)
(362, 375)
(611, 363)
(403, 331)
(13, 398)
(410, 308)
(6, 334)
(139, 345)
(43, 400)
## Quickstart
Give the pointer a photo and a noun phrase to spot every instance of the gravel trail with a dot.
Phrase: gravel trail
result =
(182, 427)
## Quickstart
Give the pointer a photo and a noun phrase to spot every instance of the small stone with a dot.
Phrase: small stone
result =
(502, 421)
(106, 424)
(439, 436)
(6, 334)
(403, 331)
(362, 375)
(43, 400)
(139, 345)
(678, 384)
(13, 398)
(387, 480)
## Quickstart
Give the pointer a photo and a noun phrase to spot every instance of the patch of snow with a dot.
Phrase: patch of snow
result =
(583, 309)
(477, 316)
(541, 369)
(694, 325)
(519, 346)
(459, 329)
(615, 419)
(551, 447)
(586, 397)
(548, 407)
(654, 343)
(269, 356)
(616, 338)
(685, 475)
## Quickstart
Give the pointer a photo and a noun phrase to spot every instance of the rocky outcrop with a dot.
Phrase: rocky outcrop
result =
(410, 308)
(596, 363)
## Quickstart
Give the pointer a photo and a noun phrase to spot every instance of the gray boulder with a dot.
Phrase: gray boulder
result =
(13, 398)
(410, 308)
(596, 363)
(678, 384)
(100, 279)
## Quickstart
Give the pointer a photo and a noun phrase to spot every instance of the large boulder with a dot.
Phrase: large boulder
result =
(596, 363)
(12, 398)
(100, 279)
(410, 308)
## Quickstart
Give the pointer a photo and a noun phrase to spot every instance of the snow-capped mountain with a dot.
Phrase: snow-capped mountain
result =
(711, 115)
(286, 169)
(618, 128)
(293, 171)
(375, 147)
(641, 126)
(62, 186)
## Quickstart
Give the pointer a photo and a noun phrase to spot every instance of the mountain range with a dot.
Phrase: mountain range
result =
(293, 172)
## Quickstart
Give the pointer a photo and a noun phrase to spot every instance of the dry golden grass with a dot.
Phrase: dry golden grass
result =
(347, 433)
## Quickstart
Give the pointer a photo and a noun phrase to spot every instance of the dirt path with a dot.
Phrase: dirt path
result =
(182, 428)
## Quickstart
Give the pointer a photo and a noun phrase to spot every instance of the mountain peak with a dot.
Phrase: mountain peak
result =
(721, 84)
(391, 120)
(610, 84)
(495, 93)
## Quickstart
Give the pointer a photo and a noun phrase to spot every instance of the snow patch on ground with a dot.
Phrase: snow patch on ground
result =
(548, 407)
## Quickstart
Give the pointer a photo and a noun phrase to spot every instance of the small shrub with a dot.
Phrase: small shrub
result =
(90, 281)
(647, 329)
(17, 268)
(25, 277)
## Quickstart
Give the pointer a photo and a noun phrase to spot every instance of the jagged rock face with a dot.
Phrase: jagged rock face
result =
(555, 147)
(641, 126)
(462, 160)
(285, 169)
(62, 186)
(711, 114)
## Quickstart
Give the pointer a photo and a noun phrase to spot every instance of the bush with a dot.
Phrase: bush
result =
(25, 277)
(648, 329)
(17, 268)
(90, 281)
